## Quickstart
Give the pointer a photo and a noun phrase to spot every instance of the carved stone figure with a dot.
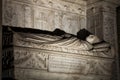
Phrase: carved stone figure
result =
(30, 51)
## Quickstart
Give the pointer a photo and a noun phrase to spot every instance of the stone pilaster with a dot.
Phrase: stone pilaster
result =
(95, 18)
(101, 20)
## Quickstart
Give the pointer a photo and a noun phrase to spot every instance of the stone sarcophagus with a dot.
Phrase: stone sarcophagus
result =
(41, 56)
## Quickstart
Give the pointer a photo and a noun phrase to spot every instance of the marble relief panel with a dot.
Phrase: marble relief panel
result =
(43, 18)
(9, 13)
(28, 15)
(30, 59)
(59, 4)
(16, 14)
(70, 7)
(70, 23)
(46, 19)
(44, 14)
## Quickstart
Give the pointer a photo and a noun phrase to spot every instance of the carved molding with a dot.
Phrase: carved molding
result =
(28, 74)
(116, 2)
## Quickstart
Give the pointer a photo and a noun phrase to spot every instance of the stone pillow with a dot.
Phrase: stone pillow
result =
(102, 45)
(93, 39)
(101, 49)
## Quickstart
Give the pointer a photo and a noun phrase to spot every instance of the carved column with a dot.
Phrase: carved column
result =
(101, 20)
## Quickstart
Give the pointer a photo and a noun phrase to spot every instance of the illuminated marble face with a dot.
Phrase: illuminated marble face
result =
(93, 39)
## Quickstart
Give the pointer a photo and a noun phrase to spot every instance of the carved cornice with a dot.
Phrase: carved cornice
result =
(80, 2)
(116, 2)
(97, 6)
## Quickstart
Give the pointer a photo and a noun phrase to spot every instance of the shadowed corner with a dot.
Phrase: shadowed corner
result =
(7, 55)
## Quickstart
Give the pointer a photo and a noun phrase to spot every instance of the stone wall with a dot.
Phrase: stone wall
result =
(68, 15)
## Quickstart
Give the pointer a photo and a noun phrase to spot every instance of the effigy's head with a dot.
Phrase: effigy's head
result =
(93, 39)
(85, 35)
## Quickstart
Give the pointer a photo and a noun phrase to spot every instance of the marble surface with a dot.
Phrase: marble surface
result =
(45, 14)
(32, 64)
(101, 18)
(68, 15)
(45, 57)
(43, 75)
